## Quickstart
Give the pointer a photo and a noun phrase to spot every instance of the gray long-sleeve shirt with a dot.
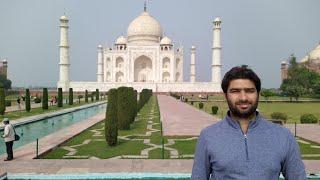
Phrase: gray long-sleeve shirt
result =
(224, 152)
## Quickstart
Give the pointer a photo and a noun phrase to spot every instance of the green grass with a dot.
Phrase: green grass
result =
(293, 110)
(185, 147)
(157, 154)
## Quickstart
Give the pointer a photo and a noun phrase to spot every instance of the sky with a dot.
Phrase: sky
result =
(260, 34)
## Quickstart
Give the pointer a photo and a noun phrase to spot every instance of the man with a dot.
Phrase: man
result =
(244, 145)
(8, 138)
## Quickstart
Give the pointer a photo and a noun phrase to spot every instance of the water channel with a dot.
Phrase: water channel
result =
(31, 131)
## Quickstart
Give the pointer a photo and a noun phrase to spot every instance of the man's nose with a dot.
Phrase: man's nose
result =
(243, 96)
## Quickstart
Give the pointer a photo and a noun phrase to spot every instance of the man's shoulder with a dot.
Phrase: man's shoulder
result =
(275, 128)
(214, 127)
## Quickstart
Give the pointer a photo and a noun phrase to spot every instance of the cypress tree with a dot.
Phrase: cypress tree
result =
(111, 121)
(131, 104)
(86, 96)
(2, 100)
(70, 96)
(97, 95)
(60, 98)
(45, 98)
(28, 107)
(123, 115)
(135, 102)
(92, 96)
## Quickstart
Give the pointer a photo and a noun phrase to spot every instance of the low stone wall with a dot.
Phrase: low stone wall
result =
(182, 87)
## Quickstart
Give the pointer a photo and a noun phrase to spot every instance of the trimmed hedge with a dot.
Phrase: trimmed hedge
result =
(37, 100)
(308, 118)
(111, 121)
(86, 96)
(124, 116)
(45, 98)
(97, 95)
(201, 105)
(8, 103)
(214, 109)
(2, 101)
(60, 98)
(279, 115)
(28, 106)
(70, 96)
(144, 97)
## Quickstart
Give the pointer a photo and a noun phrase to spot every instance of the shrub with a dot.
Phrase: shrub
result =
(86, 96)
(97, 95)
(80, 97)
(28, 107)
(2, 101)
(191, 102)
(8, 103)
(92, 96)
(279, 115)
(45, 98)
(70, 96)
(308, 118)
(123, 114)
(214, 109)
(37, 100)
(60, 98)
(111, 121)
(201, 105)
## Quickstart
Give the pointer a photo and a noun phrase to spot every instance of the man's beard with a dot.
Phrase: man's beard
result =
(243, 114)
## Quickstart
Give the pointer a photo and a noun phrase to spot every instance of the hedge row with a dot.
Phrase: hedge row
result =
(122, 109)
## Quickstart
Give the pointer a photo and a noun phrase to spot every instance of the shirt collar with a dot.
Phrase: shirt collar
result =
(235, 124)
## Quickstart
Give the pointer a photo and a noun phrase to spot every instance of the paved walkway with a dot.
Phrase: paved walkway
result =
(181, 119)
(306, 131)
(110, 166)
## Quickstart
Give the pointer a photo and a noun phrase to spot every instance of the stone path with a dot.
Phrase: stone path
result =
(181, 119)
(306, 131)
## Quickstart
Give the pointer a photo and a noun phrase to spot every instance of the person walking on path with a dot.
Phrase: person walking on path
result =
(8, 138)
(19, 102)
(244, 145)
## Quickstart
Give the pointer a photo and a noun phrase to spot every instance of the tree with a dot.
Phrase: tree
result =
(266, 93)
(60, 97)
(45, 98)
(2, 100)
(6, 83)
(28, 106)
(298, 82)
(111, 121)
(86, 96)
(70, 96)
(97, 95)
(123, 114)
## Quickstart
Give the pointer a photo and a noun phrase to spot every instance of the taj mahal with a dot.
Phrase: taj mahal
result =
(144, 58)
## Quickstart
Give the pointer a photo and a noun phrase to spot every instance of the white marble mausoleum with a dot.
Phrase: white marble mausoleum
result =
(144, 58)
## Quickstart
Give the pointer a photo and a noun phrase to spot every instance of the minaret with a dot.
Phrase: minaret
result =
(100, 64)
(193, 64)
(64, 55)
(284, 70)
(216, 52)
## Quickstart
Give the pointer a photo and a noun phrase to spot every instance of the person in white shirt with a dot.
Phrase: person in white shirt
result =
(8, 138)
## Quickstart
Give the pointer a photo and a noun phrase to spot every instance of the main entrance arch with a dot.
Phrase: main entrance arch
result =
(143, 69)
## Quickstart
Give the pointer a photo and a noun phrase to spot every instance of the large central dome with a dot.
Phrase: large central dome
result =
(144, 29)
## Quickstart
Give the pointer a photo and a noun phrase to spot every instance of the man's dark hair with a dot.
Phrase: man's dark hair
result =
(240, 72)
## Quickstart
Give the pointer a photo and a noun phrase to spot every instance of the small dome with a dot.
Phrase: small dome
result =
(193, 47)
(144, 28)
(121, 40)
(63, 17)
(315, 54)
(283, 62)
(166, 41)
(217, 19)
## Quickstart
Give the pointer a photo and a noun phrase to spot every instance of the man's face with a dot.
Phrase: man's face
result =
(242, 98)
